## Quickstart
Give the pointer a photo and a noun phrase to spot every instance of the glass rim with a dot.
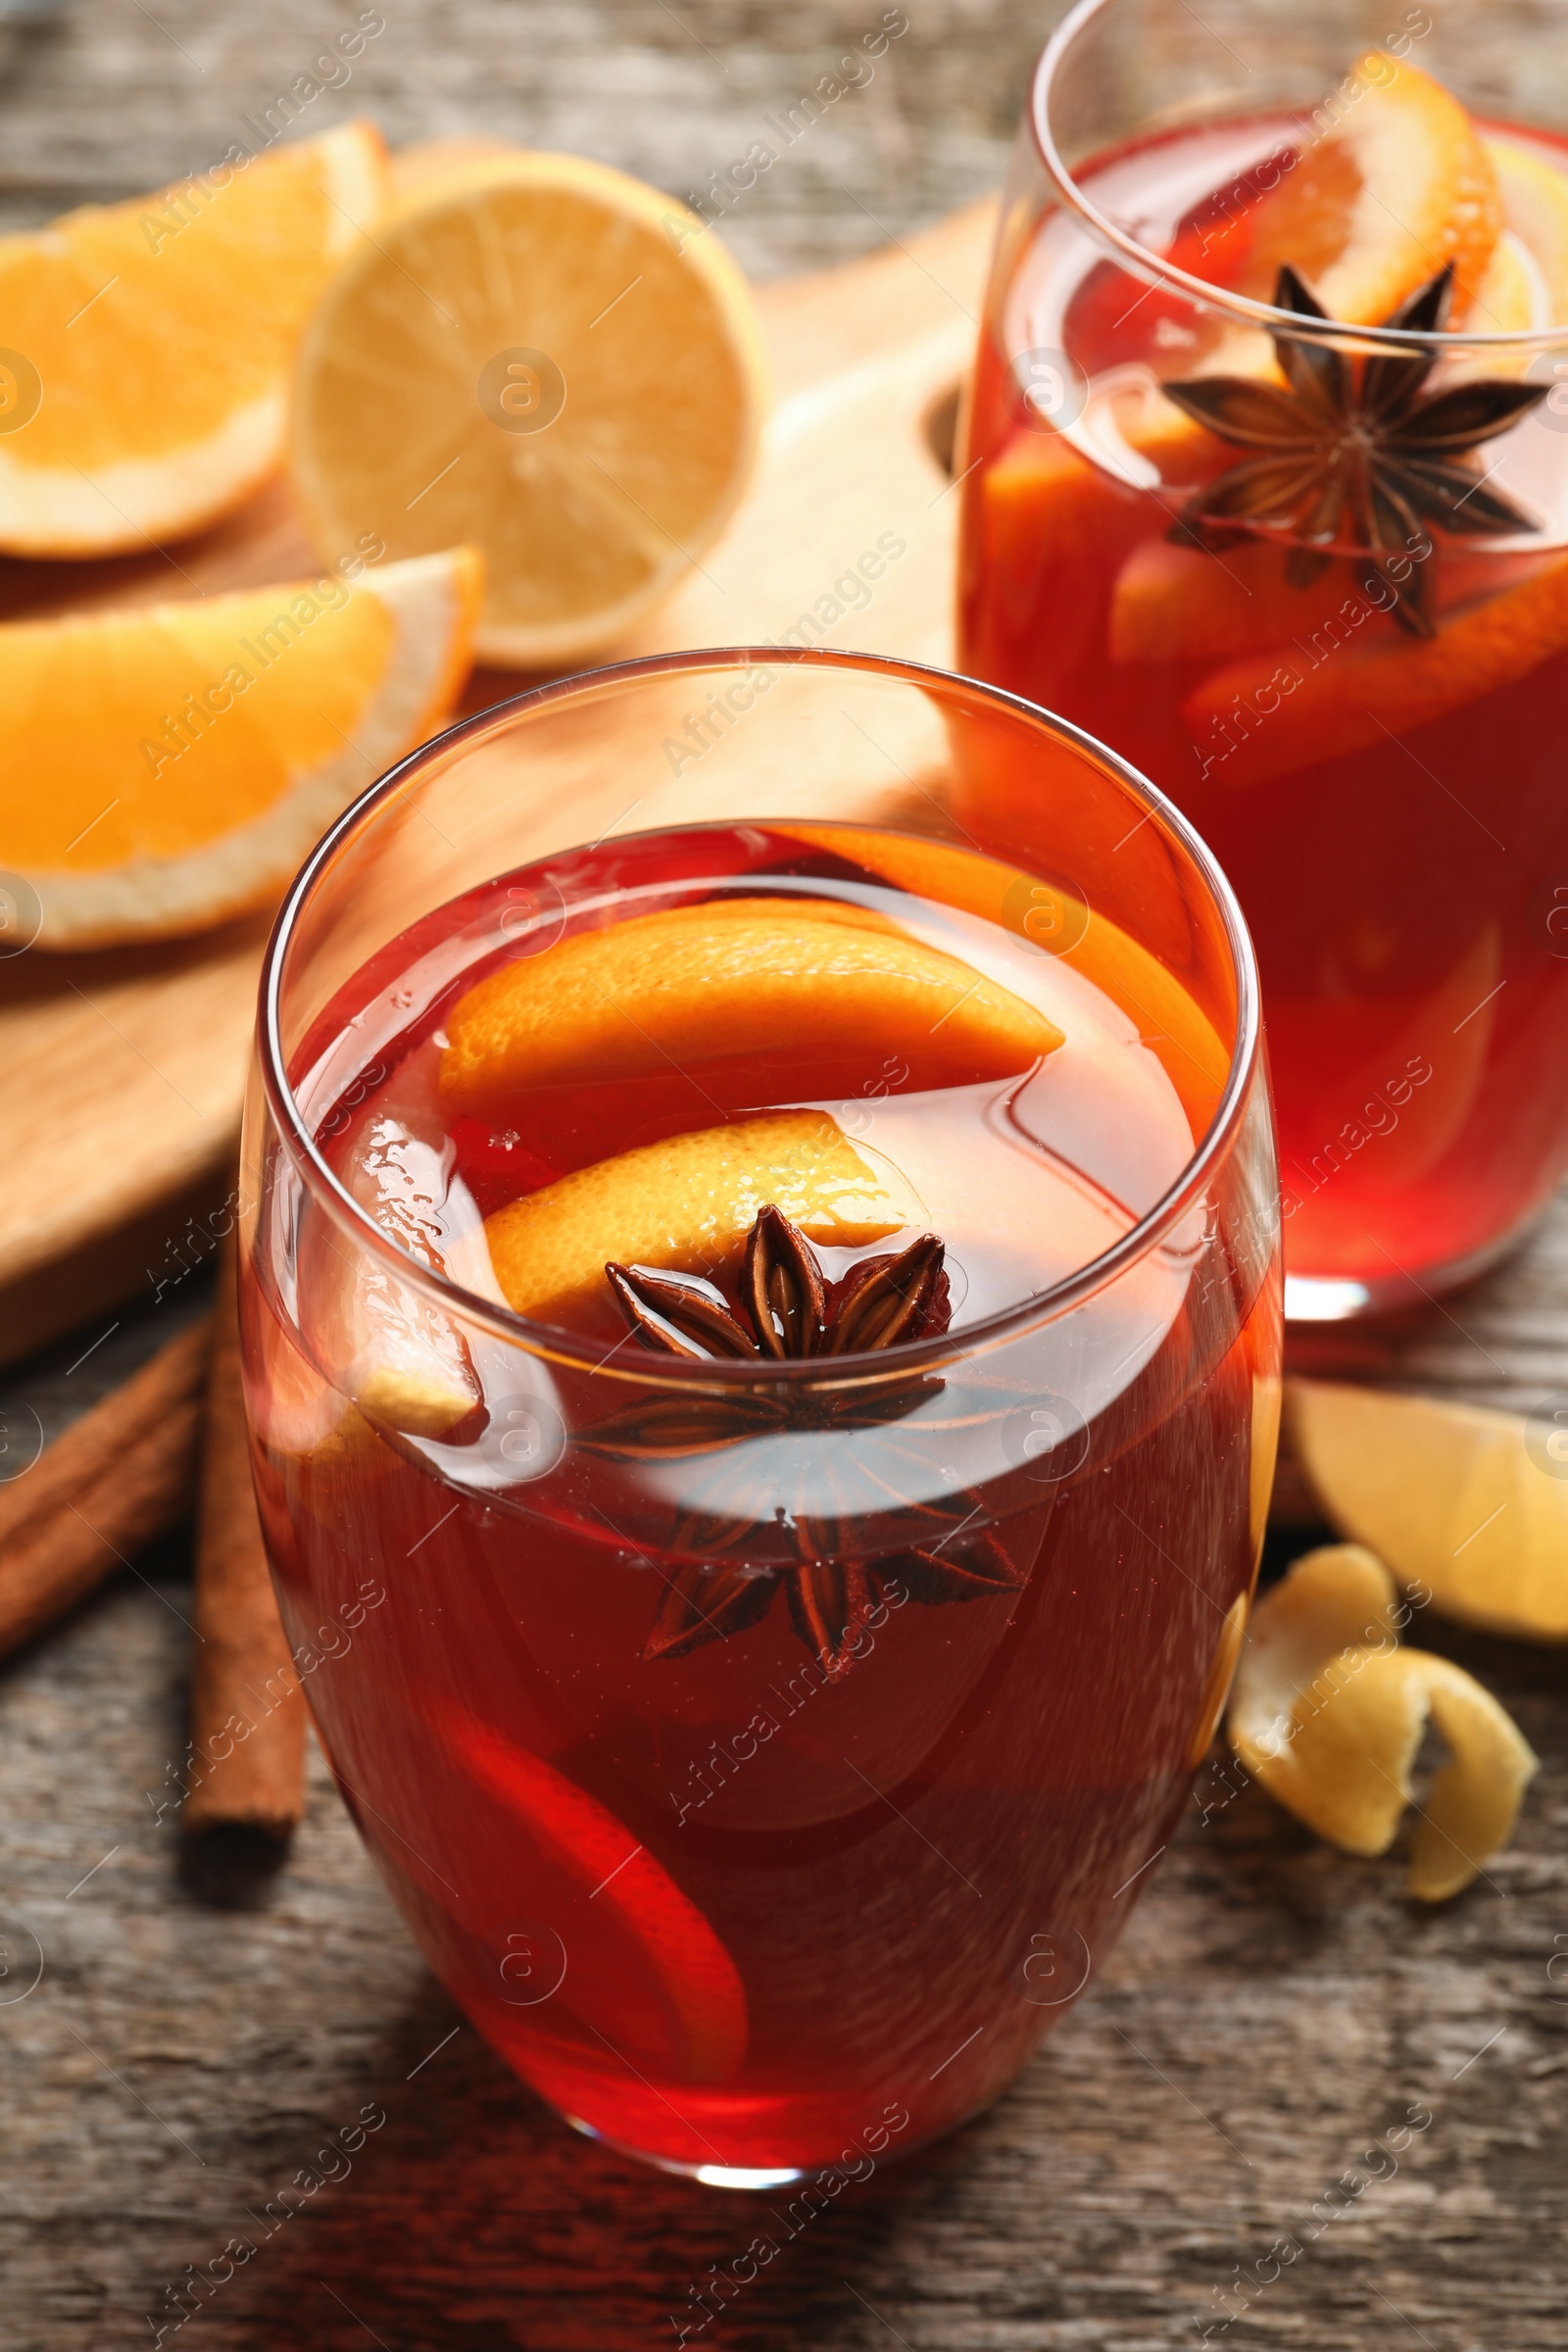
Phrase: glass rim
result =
(551, 1343)
(1242, 308)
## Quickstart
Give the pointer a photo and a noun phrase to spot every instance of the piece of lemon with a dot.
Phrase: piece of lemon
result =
(1329, 1714)
(149, 344)
(546, 358)
(1448, 1494)
(703, 983)
(163, 769)
(687, 1204)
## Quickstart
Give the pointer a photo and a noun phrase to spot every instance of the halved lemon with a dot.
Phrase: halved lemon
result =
(161, 770)
(687, 1204)
(142, 392)
(546, 358)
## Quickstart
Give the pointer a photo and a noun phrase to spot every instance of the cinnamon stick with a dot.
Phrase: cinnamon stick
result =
(247, 1714)
(117, 1476)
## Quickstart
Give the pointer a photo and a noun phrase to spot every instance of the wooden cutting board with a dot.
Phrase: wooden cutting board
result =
(121, 1072)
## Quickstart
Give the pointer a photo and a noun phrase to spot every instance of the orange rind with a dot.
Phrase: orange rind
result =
(1329, 1715)
(605, 1863)
(158, 336)
(163, 769)
(687, 1204)
(692, 984)
(1356, 683)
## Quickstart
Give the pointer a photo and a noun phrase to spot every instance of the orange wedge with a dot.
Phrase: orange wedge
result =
(547, 358)
(1535, 205)
(161, 770)
(688, 1202)
(1370, 684)
(1400, 184)
(158, 336)
(605, 1863)
(1177, 1031)
(696, 983)
(1177, 604)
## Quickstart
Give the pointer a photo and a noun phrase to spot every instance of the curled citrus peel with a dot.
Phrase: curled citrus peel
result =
(1448, 1494)
(1328, 1713)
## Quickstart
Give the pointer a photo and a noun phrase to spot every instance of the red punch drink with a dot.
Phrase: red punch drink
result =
(798, 1354)
(1314, 586)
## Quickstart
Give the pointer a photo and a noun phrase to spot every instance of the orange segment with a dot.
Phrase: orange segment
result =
(160, 333)
(696, 983)
(687, 1204)
(1177, 604)
(1535, 204)
(605, 1864)
(1175, 1027)
(162, 769)
(547, 358)
(1371, 684)
(1401, 184)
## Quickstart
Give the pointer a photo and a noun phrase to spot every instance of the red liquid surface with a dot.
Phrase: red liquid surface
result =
(1404, 892)
(739, 1909)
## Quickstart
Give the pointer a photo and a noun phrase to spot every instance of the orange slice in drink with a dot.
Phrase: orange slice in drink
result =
(688, 1202)
(605, 1864)
(163, 769)
(698, 984)
(1176, 1029)
(1268, 713)
(1400, 184)
(1535, 205)
(150, 340)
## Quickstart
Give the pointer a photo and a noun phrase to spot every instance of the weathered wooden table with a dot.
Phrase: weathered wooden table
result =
(177, 2047)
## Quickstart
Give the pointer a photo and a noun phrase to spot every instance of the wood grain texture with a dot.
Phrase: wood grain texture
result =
(116, 1477)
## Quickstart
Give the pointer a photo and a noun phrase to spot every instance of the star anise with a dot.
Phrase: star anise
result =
(1354, 456)
(787, 1308)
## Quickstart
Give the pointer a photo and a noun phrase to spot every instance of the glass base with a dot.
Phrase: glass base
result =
(710, 2176)
(1335, 1298)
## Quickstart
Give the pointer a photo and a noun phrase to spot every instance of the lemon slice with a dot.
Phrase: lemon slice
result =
(162, 770)
(151, 341)
(1448, 1494)
(546, 358)
(697, 984)
(687, 1202)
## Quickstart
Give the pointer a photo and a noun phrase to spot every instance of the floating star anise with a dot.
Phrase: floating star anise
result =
(787, 1308)
(1353, 456)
